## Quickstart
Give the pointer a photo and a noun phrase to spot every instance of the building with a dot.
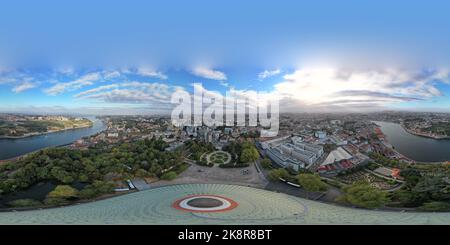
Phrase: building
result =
(272, 142)
(113, 135)
(204, 134)
(340, 160)
(227, 130)
(293, 153)
(335, 122)
(284, 160)
(320, 134)
(337, 140)
(191, 131)
(337, 155)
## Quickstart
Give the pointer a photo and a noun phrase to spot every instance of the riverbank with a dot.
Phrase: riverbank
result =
(48, 132)
(31, 152)
(424, 135)
(411, 147)
(19, 147)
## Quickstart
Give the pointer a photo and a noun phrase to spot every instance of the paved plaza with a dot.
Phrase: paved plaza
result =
(255, 206)
(216, 175)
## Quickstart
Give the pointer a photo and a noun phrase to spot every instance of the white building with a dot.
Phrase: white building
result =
(295, 154)
(113, 135)
(320, 134)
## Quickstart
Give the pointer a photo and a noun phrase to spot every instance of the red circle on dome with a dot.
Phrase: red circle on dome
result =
(232, 204)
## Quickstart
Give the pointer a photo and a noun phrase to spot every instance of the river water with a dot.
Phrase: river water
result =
(10, 148)
(418, 148)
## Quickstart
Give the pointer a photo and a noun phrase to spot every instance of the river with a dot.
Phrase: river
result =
(421, 149)
(10, 148)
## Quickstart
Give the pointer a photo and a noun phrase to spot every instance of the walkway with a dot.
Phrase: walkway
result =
(255, 206)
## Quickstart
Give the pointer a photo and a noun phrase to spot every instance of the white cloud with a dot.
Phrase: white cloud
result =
(121, 96)
(24, 86)
(268, 73)
(81, 82)
(131, 92)
(149, 72)
(108, 75)
(209, 73)
(96, 90)
(19, 81)
(333, 87)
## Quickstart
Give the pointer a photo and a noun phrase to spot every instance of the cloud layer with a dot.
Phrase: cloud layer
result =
(24, 86)
(130, 93)
(306, 89)
(333, 87)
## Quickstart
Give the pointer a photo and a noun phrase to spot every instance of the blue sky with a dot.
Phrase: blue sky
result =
(129, 56)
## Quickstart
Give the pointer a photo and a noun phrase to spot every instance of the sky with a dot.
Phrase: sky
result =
(128, 57)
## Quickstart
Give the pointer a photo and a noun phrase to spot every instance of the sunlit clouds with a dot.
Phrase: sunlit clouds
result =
(330, 86)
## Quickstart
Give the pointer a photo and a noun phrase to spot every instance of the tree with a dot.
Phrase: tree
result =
(65, 166)
(96, 189)
(412, 176)
(266, 163)
(62, 194)
(434, 187)
(435, 206)
(363, 195)
(249, 154)
(276, 174)
(24, 203)
(311, 183)
(169, 175)
(141, 173)
(408, 198)
(67, 179)
(63, 191)
(83, 178)
(88, 193)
